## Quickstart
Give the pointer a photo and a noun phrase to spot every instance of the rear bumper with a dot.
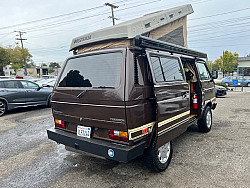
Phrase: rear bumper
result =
(97, 147)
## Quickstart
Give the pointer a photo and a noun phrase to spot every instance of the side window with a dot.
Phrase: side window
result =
(29, 85)
(172, 69)
(204, 74)
(166, 69)
(157, 69)
(1, 85)
(11, 84)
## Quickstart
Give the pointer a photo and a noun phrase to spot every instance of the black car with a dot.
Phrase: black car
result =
(22, 93)
(220, 90)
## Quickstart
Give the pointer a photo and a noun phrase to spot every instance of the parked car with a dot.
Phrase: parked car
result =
(24, 77)
(43, 82)
(22, 93)
(49, 77)
(220, 91)
(51, 83)
(229, 81)
(6, 77)
(124, 102)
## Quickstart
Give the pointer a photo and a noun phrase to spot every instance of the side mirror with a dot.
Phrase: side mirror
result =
(215, 74)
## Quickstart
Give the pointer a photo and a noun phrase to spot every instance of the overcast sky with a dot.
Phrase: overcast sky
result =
(50, 25)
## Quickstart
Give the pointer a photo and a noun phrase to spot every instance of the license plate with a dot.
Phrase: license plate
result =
(83, 131)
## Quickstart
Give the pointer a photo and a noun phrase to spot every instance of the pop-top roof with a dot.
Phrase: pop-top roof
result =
(132, 28)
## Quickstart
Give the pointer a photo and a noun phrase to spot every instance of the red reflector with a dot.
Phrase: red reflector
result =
(144, 130)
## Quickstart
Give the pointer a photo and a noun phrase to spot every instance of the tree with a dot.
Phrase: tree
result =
(4, 59)
(214, 66)
(51, 70)
(228, 61)
(54, 65)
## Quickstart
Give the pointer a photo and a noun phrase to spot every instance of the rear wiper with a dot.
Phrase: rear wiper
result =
(81, 93)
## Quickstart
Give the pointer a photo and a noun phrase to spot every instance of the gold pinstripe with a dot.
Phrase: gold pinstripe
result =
(130, 131)
(173, 118)
(149, 125)
(173, 125)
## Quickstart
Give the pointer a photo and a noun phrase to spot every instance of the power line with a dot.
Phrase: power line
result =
(220, 36)
(239, 10)
(36, 28)
(220, 46)
(53, 17)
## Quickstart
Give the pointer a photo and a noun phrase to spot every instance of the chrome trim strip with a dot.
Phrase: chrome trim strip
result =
(96, 105)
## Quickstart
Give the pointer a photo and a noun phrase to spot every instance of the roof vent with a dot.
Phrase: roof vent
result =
(147, 25)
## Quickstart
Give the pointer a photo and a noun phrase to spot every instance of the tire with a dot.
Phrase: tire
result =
(49, 102)
(3, 108)
(205, 123)
(155, 159)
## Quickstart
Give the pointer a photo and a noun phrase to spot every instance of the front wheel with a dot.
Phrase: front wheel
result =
(3, 108)
(205, 123)
(159, 159)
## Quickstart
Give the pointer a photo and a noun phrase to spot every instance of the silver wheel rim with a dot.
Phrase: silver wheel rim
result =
(209, 119)
(2, 108)
(164, 152)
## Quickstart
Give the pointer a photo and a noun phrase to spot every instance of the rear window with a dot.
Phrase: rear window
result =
(100, 70)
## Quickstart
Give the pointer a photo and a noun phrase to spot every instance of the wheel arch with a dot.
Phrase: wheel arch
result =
(3, 99)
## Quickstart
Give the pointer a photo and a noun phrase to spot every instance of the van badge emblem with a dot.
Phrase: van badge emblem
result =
(111, 153)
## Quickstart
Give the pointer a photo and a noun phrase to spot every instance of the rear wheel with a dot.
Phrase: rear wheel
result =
(205, 123)
(158, 160)
(3, 108)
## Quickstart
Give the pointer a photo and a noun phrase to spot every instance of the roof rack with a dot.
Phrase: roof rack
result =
(145, 42)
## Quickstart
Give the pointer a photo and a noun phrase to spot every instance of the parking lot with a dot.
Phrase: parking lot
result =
(219, 158)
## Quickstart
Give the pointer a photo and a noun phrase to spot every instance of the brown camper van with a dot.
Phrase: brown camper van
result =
(123, 102)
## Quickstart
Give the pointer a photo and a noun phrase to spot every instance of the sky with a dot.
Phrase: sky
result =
(50, 25)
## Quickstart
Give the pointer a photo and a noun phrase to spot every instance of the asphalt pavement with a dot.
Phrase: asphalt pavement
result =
(219, 158)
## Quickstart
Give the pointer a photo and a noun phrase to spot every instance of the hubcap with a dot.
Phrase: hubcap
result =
(164, 152)
(2, 108)
(209, 119)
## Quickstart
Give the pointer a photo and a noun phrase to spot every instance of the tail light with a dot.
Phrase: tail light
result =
(59, 123)
(118, 135)
(195, 102)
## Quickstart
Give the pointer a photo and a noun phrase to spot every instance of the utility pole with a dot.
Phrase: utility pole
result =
(20, 33)
(112, 11)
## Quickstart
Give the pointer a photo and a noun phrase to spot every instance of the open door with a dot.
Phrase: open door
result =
(171, 94)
